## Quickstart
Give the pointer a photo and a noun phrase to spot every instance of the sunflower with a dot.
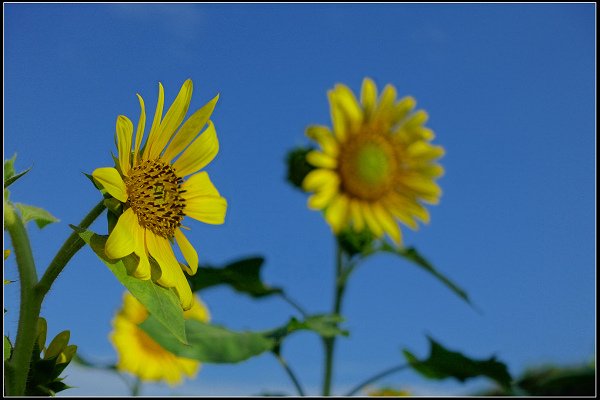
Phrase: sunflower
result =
(376, 166)
(141, 355)
(149, 183)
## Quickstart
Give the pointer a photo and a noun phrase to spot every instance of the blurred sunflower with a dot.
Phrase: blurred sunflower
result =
(376, 166)
(141, 355)
(149, 183)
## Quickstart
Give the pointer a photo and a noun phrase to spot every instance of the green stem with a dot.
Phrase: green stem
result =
(71, 246)
(374, 378)
(293, 304)
(290, 373)
(329, 343)
(30, 304)
(136, 387)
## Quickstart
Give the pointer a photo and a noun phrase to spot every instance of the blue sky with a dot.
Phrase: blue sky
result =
(510, 90)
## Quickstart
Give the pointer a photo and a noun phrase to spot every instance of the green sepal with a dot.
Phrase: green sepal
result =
(297, 166)
(354, 243)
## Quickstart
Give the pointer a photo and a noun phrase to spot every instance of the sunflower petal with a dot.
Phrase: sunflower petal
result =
(123, 137)
(336, 213)
(183, 290)
(338, 119)
(140, 130)
(358, 221)
(111, 180)
(349, 105)
(371, 221)
(201, 152)
(160, 249)
(155, 122)
(324, 137)
(189, 130)
(198, 185)
(122, 240)
(207, 209)
(321, 160)
(143, 269)
(387, 223)
(368, 96)
(189, 252)
(319, 178)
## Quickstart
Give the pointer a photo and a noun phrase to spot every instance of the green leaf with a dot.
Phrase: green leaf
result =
(7, 348)
(325, 325)
(411, 254)
(39, 215)
(162, 303)
(443, 363)
(242, 275)
(210, 343)
(10, 176)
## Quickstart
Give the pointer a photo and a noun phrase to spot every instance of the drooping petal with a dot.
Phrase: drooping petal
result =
(123, 138)
(143, 269)
(160, 249)
(321, 160)
(122, 240)
(357, 216)
(319, 178)
(155, 122)
(172, 120)
(337, 212)
(325, 138)
(199, 185)
(189, 130)
(201, 152)
(183, 290)
(188, 251)
(370, 220)
(322, 197)
(111, 180)
(139, 135)
(386, 221)
(207, 209)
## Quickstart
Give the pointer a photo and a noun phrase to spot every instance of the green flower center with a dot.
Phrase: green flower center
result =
(367, 166)
(154, 194)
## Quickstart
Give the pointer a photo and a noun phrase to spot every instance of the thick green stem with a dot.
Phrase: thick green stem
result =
(71, 246)
(329, 343)
(30, 304)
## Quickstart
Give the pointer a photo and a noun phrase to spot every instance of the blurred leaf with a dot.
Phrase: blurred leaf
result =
(443, 363)
(39, 215)
(209, 343)
(161, 302)
(297, 166)
(411, 254)
(242, 275)
(7, 348)
(325, 325)
(10, 176)
(389, 392)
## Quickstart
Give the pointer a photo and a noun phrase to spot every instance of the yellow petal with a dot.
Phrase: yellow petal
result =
(123, 138)
(419, 118)
(371, 221)
(172, 120)
(202, 151)
(318, 178)
(386, 221)
(337, 212)
(189, 130)
(198, 185)
(160, 249)
(183, 290)
(424, 151)
(188, 251)
(139, 135)
(384, 109)
(155, 122)
(349, 105)
(368, 95)
(356, 214)
(321, 160)
(110, 179)
(323, 136)
(402, 108)
(122, 240)
(207, 209)
(338, 119)
(322, 197)
(143, 268)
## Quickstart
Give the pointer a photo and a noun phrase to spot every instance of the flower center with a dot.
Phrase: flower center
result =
(155, 196)
(367, 166)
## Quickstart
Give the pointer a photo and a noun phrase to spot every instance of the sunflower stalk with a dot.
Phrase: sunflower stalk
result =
(33, 292)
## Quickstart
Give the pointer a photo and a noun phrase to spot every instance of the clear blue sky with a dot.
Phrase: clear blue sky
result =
(510, 90)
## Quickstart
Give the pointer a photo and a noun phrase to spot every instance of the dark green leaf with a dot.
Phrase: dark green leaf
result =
(411, 254)
(297, 165)
(242, 275)
(443, 363)
(39, 215)
(160, 302)
(210, 343)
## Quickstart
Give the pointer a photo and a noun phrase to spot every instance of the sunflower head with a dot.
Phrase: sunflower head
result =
(149, 182)
(376, 166)
(140, 355)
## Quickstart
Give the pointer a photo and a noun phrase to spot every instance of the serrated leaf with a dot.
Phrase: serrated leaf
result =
(443, 363)
(242, 275)
(411, 254)
(161, 303)
(7, 348)
(210, 343)
(37, 214)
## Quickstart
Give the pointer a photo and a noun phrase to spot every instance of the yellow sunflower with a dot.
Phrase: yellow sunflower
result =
(376, 166)
(149, 182)
(141, 355)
